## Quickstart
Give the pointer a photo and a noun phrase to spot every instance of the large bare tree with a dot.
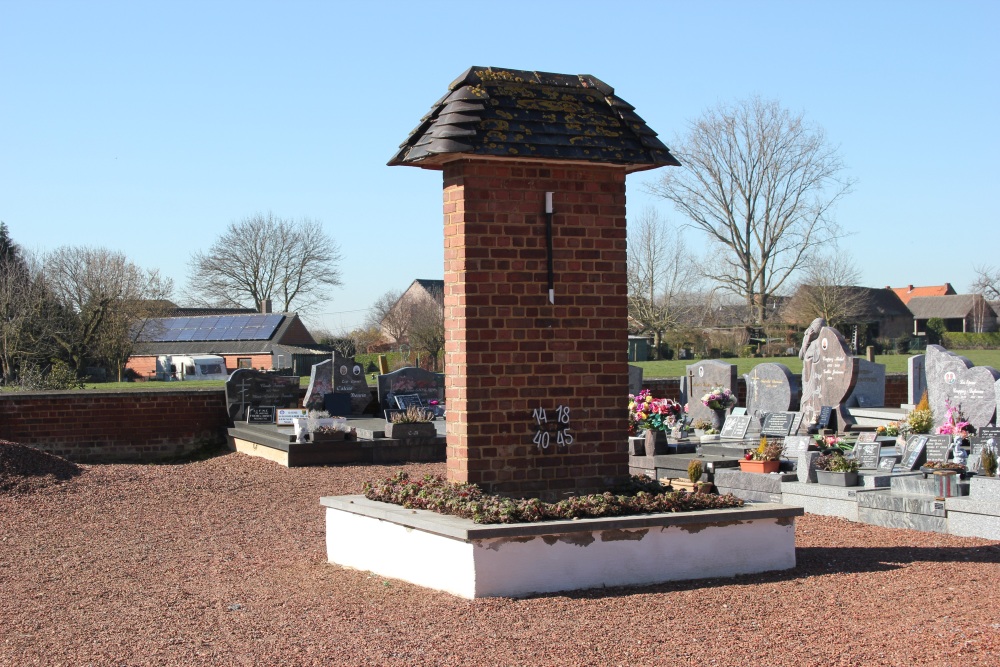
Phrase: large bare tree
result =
(427, 328)
(109, 297)
(391, 315)
(266, 258)
(760, 183)
(829, 290)
(661, 277)
(987, 282)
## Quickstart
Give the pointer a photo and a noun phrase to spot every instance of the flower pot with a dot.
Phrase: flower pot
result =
(831, 478)
(656, 443)
(718, 419)
(336, 436)
(760, 466)
(409, 431)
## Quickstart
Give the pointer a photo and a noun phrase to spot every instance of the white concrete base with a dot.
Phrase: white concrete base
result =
(471, 560)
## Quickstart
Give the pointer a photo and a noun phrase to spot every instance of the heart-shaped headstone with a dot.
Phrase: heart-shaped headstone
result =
(952, 380)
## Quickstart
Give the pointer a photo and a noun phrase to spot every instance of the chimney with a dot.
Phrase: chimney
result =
(909, 288)
(265, 307)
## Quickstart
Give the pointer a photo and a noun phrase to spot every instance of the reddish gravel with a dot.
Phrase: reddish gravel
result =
(221, 562)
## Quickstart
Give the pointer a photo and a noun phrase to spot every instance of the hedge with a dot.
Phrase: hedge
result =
(971, 341)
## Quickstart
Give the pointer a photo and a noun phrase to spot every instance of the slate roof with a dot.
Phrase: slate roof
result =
(491, 111)
(954, 306)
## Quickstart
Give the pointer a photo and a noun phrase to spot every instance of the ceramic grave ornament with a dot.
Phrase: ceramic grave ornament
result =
(953, 380)
(829, 372)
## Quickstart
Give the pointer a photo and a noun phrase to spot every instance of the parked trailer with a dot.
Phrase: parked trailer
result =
(191, 367)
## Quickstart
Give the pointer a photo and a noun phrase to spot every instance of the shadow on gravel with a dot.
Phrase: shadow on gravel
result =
(811, 562)
(24, 469)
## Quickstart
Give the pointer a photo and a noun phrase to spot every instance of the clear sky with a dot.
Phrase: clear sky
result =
(147, 127)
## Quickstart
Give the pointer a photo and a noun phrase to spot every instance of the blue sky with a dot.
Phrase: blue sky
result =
(147, 127)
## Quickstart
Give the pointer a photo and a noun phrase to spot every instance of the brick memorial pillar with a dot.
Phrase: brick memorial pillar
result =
(535, 276)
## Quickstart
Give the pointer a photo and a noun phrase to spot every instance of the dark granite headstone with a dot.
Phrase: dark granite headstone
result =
(825, 412)
(261, 414)
(248, 387)
(777, 424)
(829, 373)
(634, 379)
(952, 379)
(735, 427)
(429, 386)
(887, 463)
(701, 378)
(349, 379)
(772, 388)
(868, 454)
(869, 390)
(916, 379)
(913, 454)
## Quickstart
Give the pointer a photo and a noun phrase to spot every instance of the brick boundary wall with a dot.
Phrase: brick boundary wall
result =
(106, 427)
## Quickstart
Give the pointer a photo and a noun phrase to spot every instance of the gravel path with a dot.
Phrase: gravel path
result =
(221, 562)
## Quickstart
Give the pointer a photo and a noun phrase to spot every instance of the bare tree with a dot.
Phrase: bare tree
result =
(391, 315)
(829, 291)
(367, 338)
(987, 282)
(262, 258)
(661, 278)
(427, 328)
(109, 297)
(760, 183)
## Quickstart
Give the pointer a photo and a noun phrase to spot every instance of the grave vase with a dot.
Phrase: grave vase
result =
(656, 442)
(718, 419)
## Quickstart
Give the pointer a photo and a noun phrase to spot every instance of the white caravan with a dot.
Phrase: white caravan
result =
(191, 367)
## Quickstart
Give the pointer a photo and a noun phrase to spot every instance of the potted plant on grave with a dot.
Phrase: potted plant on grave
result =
(719, 400)
(414, 422)
(335, 432)
(921, 420)
(701, 427)
(988, 461)
(837, 470)
(766, 458)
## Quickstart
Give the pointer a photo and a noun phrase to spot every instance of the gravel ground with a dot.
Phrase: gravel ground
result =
(221, 562)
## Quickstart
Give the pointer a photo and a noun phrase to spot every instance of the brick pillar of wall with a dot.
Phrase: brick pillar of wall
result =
(508, 352)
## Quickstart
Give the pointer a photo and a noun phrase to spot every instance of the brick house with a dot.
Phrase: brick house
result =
(960, 312)
(420, 290)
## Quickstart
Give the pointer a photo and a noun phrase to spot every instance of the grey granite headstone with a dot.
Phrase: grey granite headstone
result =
(320, 384)
(829, 373)
(634, 379)
(869, 390)
(429, 386)
(772, 388)
(951, 379)
(349, 379)
(806, 467)
(702, 377)
(916, 379)
(247, 387)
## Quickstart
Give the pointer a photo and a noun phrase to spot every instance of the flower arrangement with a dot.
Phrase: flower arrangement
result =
(891, 430)
(830, 442)
(768, 450)
(954, 423)
(719, 398)
(942, 465)
(921, 419)
(652, 414)
(837, 462)
(413, 415)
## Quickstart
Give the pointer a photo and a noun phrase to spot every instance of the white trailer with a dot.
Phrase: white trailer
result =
(191, 367)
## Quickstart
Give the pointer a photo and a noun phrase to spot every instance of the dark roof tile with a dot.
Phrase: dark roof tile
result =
(521, 114)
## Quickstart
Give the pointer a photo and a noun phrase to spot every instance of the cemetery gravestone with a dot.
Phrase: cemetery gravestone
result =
(777, 424)
(829, 372)
(951, 379)
(735, 427)
(868, 454)
(916, 379)
(937, 447)
(887, 463)
(772, 388)
(320, 384)
(913, 454)
(869, 390)
(247, 388)
(634, 379)
(261, 414)
(823, 421)
(349, 380)
(428, 386)
(702, 377)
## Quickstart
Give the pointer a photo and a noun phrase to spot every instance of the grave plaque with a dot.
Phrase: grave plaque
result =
(887, 463)
(261, 414)
(247, 387)
(702, 377)
(404, 401)
(868, 454)
(867, 436)
(916, 379)
(825, 412)
(777, 424)
(286, 416)
(735, 427)
(829, 372)
(913, 454)
(634, 379)
(951, 379)
(349, 379)
(738, 411)
(937, 447)
(797, 444)
(772, 388)
(869, 390)
(428, 386)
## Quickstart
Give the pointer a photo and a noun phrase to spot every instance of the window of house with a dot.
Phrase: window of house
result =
(244, 362)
